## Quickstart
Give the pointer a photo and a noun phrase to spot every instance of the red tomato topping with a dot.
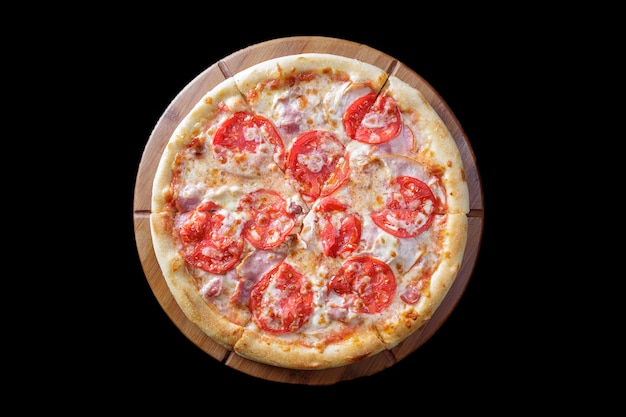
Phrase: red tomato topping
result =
(318, 161)
(209, 242)
(331, 204)
(371, 280)
(245, 132)
(340, 231)
(270, 223)
(372, 119)
(410, 208)
(282, 300)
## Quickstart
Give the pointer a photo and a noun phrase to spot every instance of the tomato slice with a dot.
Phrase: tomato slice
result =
(371, 280)
(281, 301)
(409, 210)
(318, 161)
(269, 222)
(373, 119)
(245, 132)
(340, 231)
(210, 239)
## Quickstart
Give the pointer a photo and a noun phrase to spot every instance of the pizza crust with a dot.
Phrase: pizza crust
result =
(285, 66)
(290, 353)
(204, 115)
(183, 288)
(411, 317)
(435, 144)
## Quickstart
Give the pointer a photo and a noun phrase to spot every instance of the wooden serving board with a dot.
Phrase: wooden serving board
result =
(179, 108)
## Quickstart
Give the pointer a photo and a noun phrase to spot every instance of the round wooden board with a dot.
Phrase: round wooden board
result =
(179, 108)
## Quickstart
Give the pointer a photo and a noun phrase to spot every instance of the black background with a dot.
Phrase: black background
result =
(125, 351)
(471, 344)
(464, 346)
(536, 89)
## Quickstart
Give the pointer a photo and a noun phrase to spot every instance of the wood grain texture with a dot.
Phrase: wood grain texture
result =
(179, 108)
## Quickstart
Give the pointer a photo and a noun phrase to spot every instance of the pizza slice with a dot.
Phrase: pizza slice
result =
(305, 92)
(294, 324)
(433, 146)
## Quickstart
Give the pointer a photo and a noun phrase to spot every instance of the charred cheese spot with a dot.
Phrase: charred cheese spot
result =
(177, 264)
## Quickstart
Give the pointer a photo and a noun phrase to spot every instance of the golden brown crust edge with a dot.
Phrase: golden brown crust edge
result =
(282, 352)
(181, 285)
(359, 71)
(436, 141)
(395, 330)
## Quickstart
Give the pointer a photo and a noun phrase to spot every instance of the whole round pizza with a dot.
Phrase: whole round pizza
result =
(310, 211)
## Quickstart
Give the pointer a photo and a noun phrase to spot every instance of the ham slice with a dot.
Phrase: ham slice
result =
(251, 268)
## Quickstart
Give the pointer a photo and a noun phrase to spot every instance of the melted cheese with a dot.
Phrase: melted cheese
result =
(295, 109)
(226, 196)
(317, 103)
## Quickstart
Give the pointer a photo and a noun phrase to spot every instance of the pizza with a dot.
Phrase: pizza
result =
(310, 211)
